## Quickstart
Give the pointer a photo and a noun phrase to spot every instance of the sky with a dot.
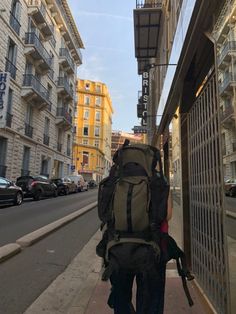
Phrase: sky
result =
(107, 31)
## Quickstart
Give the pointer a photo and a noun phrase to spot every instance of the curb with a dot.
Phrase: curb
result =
(36, 235)
(9, 250)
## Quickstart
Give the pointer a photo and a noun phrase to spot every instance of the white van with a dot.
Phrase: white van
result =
(78, 179)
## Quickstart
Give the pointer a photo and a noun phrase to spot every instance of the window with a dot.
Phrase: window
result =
(85, 142)
(86, 114)
(97, 100)
(44, 167)
(25, 161)
(85, 158)
(3, 152)
(98, 88)
(96, 143)
(68, 148)
(98, 116)
(97, 131)
(15, 14)
(49, 96)
(11, 58)
(10, 100)
(86, 100)
(86, 130)
(87, 86)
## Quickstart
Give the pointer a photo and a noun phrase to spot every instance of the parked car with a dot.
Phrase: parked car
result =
(9, 192)
(230, 187)
(65, 186)
(37, 186)
(81, 184)
(92, 184)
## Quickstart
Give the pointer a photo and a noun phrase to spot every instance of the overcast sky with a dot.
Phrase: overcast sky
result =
(106, 28)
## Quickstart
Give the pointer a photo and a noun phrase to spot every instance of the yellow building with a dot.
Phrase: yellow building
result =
(93, 120)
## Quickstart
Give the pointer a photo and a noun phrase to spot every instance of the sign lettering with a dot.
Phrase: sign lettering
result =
(4, 89)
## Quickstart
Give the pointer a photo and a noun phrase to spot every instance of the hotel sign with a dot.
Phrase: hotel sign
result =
(4, 89)
(145, 96)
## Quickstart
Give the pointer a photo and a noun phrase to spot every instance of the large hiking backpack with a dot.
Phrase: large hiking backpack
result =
(132, 204)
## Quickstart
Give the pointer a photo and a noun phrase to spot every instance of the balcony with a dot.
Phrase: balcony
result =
(66, 60)
(46, 139)
(228, 117)
(226, 54)
(38, 12)
(63, 118)
(33, 91)
(11, 68)
(147, 23)
(9, 119)
(28, 130)
(3, 170)
(15, 24)
(36, 50)
(226, 87)
(65, 88)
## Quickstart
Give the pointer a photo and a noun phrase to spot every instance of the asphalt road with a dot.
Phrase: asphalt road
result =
(26, 275)
(16, 221)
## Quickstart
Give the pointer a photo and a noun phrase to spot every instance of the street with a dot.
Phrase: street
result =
(25, 276)
(16, 221)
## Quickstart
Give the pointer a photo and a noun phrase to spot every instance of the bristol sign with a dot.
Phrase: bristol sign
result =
(4, 89)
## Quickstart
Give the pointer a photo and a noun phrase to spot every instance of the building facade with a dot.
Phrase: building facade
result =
(189, 54)
(93, 121)
(39, 52)
(118, 138)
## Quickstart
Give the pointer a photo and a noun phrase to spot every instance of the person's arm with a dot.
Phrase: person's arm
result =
(169, 208)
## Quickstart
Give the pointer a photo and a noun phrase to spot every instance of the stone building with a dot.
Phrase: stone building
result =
(39, 52)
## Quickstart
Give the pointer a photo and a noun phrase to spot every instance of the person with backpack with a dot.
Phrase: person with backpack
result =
(133, 208)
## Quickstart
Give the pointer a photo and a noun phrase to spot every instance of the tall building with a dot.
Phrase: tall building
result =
(39, 54)
(118, 138)
(224, 34)
(93, 120)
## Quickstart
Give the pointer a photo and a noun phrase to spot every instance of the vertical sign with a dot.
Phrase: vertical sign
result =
(4, 89)
(145, 96)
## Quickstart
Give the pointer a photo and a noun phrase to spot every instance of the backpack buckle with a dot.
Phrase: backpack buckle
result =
(117, 237)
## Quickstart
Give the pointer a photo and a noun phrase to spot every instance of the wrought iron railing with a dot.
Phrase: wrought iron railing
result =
(64, 52)
(62, 112)
(229, 46)
(140, 4)
(46, 139)
(227, 80)
(63, 82)
(228, 111)
(32, 39)
(43, 11)
(28, 130)
(11, 68)
(30, 80)
(15, 24)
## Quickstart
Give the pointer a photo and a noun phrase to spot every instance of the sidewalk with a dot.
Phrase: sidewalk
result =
(79, 290)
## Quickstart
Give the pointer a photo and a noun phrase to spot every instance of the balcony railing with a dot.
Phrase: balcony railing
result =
(227, 112)
(11, 68)
(64, 52)
(46, 139)
(9, 119)
(229, 46)
(228, 80)
(25, 172)
(140, 4)
(29, 80)
(28, 130)
(15, 24)
(64, 83)
(32, 39)
(61, 112)
(3, 170)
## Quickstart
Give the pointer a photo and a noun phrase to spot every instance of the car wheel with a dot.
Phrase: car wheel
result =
(18, 198)
(38, 195)
(66, 191)
(231, 193)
